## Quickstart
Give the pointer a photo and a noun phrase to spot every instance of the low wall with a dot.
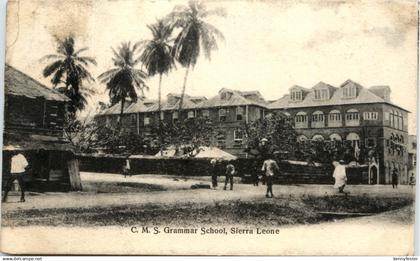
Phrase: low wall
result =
(289, 173)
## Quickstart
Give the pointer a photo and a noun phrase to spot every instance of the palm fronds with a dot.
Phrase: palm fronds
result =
(70, 69)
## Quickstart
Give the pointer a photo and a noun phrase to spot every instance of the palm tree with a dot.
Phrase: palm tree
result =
(69, 68)
(157, 57)
(123, 80)
(196, 35)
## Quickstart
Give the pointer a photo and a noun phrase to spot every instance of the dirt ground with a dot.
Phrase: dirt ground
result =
(111, 205)
(102, 190)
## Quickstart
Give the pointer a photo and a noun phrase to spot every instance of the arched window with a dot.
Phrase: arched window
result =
(317, 137)
(317, 119)
(335, 137)
(301, 120)
(334, 119)
(302, 138)
(400, 120)
(354, 138)
(391, 118)
(352, 117)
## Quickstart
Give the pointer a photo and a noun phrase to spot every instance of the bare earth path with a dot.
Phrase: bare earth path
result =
(180, 192)
(353, 236)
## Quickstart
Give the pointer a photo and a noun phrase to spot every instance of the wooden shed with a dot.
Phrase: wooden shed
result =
(33, 125)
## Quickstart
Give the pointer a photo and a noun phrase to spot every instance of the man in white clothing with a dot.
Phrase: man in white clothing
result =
(340, 176)
(270, 168)
(17, 169)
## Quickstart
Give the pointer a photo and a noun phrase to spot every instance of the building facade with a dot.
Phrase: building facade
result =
(412, 156)
(228, 111)
(33, 125)
(364, 116)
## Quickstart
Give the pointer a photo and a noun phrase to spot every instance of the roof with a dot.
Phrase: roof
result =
(236, 98)
(147, 105)
(21, 142)
(20, 84)
(364, 96)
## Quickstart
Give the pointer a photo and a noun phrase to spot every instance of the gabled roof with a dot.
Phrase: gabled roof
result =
(364, 96)
(20, 84)
(190, 102)
(237, 98)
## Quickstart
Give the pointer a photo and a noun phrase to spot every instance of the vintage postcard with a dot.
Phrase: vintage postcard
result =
(144, 127)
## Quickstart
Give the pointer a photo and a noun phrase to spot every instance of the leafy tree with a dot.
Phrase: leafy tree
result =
(195, 36)
(156, 56)
(189, 134)
(123, 80)
(278, 131)
(69, 68)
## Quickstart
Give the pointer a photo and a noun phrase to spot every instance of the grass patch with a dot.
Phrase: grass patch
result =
(120, 187)
(261, 212)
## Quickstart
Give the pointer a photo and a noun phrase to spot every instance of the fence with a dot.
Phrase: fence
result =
(290, 172)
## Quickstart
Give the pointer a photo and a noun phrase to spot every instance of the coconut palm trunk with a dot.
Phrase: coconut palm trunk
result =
(181, 101)
(121, 113)
(160, 112)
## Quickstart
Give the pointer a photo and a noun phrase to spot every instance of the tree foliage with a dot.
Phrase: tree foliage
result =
(277, 129)
(69, 68)
(124, 79)
(189, 134)
(196, 35)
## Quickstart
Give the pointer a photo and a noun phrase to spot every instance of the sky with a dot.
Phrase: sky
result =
(269, 45)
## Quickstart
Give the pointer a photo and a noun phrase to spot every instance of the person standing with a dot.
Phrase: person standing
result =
(213, 164)
(126, 168)
(269, 167)
(412, 181)
(340, 176)
(17, 170)
(230, 171)
(395, 178)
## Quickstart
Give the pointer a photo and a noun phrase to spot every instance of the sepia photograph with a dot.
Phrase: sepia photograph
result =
(217, 127)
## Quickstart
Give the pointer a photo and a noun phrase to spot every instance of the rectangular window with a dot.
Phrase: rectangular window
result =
(317, 94)
(335, 117)
(190, 114)
(370, 142)
(206, 114)
(146, 121)
(162, 115)
(175, 115)
(239, 113)
(238, 135)
(300, 118)
(370, 116)
(222, 115)
(296, 95)
(133, 118)
(352, 116)
(324, 94)
(221, 140)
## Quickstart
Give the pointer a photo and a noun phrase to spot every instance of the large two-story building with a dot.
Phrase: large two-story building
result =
(365, 117)
(229, 110)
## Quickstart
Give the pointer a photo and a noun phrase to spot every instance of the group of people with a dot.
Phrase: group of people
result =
(341, 177)
(269, 169)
